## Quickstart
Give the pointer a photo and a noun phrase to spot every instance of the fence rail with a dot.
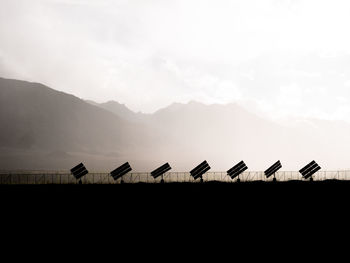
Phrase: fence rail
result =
(64, 177)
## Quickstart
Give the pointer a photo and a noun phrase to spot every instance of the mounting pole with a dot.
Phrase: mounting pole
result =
(238, 179)
(274, 178)
(162, 181)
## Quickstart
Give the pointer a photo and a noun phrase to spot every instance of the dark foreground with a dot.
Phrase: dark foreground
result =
(169, 208)
(186, 194)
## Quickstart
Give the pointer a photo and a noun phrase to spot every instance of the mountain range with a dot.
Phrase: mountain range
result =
(42, 128)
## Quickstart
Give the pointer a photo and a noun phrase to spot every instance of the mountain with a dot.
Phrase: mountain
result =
(225, 134)
(120, 110)
(36, 118)
(42, 128)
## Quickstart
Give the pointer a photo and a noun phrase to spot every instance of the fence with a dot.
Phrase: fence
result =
(64, 177)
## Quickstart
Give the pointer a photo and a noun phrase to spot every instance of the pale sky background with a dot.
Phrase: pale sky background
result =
(284, 57)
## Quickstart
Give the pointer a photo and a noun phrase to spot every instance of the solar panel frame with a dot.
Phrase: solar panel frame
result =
(199, 167)
(302, 170)
(236, 167)
(160, 170)
(203, 171)
(238, 172)
(77, 167)
(273, 169)
(122, 173)
(312, 172)
(310, 168)
(121, 168)
(78, 171)
(81, 174)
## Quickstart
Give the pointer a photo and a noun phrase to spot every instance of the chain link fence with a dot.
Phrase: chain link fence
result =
(64, 177)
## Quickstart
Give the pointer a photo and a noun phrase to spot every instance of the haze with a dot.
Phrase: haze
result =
(282, 57)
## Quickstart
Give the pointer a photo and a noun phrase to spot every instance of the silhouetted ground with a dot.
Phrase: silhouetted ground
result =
(195, 193)
(170, 207)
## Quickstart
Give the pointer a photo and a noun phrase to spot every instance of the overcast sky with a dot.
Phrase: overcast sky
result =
(285, 57)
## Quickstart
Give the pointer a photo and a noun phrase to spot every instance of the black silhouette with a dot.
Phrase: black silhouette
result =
(120, 171)
(161, 171)
(237, 170)
(272, 170)
(199, 170)
(79, 171)
(309, 170)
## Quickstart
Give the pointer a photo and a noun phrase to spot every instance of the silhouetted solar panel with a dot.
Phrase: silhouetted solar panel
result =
(199, 170)
(75, 168)
(238, 172)
(79, 171)
(121, 170)
(161, 170)
(312, 172)
(309, 170)
(273, 169)
(84, 172)
(302, 171)
(201, 166)
(198, 175)
(237, 169)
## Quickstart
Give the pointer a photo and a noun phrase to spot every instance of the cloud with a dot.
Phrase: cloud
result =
(290, 55)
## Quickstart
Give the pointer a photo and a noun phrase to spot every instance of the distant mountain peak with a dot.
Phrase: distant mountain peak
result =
(113, 102)
(120, 109)
(194, 102)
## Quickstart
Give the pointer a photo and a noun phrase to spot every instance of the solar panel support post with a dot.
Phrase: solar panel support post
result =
(274, 178)
(121, 180)
(162, 180)
(238, 179)
(201, 179)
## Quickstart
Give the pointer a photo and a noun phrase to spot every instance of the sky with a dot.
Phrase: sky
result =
(281, 57)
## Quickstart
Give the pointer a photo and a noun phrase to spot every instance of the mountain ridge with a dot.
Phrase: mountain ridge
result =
(44, 128)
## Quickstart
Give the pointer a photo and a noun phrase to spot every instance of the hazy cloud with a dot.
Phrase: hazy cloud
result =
(291, 56)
